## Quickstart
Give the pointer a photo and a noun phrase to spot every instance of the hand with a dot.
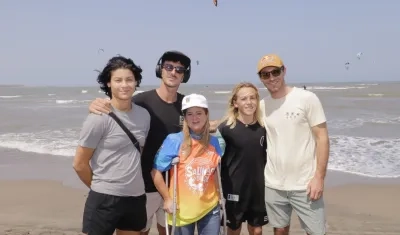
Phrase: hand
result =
(213, 126)
(315, 188)
(168, 205)
(100, 106)
(222, 202)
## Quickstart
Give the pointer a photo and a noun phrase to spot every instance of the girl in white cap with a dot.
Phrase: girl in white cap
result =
(197, 187)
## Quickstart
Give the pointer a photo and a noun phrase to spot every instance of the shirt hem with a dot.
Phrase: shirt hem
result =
(181, 223)
(282, 188)
(113, 193)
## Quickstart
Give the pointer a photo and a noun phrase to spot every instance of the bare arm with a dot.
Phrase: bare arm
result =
(160, 184)
(81, 164)
(322, 140)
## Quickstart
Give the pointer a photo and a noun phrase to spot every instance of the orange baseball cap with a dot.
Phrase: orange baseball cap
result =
(269, 60)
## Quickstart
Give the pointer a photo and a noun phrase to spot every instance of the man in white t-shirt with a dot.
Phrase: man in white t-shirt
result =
(297, 154)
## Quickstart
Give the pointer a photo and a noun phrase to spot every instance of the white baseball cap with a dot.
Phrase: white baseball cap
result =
(194, 100)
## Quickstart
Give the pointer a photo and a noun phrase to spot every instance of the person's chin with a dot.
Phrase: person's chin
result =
(196, 128)
(250, 113)
(125, 96)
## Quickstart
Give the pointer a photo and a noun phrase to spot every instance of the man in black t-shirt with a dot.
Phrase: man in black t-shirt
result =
(164, 105)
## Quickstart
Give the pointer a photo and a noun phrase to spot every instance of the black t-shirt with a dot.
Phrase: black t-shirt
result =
(166, 118)
(242, 165)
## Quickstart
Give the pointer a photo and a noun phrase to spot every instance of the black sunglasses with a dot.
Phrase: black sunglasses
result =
(178, 69)
(267, 75)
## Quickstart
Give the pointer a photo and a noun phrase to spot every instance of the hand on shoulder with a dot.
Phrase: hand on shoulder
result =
(214, 126)
(100, 106)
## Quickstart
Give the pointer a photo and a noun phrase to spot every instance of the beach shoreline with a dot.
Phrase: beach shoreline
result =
(19, 165)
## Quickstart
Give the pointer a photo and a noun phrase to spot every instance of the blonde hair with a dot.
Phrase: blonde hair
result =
(186, 146)
(232, 112)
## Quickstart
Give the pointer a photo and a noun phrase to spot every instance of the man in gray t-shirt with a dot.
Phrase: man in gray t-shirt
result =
(108, 162)
(116, 161)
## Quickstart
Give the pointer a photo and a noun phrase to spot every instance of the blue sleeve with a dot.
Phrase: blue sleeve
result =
(221, 141)
(215, 142)
(168, 151)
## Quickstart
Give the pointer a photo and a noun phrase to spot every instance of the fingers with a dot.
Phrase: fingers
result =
(168, 210)
(315, 194)
(100, 106)
(103, 101)
(319, 194)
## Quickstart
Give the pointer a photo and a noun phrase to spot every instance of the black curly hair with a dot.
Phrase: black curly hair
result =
(118, 62)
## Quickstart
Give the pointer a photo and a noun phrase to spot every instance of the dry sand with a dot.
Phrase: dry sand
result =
(39, 207)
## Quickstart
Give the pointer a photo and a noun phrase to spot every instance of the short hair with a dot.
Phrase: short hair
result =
(118, 62)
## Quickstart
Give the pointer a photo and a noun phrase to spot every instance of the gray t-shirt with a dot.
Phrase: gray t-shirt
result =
(116, 161)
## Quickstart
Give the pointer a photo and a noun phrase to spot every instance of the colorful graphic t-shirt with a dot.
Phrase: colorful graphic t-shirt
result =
(197, 187)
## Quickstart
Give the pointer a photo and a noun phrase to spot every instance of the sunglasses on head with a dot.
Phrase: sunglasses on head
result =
(275, 73)
(178, 69)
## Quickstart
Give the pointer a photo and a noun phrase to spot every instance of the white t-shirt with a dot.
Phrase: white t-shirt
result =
(291, 156)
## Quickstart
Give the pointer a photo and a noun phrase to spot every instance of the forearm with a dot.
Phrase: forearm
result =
(85, 173)
(322, 150)
(160, 184)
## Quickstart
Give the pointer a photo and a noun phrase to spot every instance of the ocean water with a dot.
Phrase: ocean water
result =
(363, 121)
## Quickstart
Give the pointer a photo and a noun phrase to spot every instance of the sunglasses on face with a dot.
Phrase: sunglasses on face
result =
(178, 69)
(274, 73)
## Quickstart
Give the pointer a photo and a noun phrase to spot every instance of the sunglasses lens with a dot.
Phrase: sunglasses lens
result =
(265, 75)
(180, 69)
(170, 67)
(276, 72)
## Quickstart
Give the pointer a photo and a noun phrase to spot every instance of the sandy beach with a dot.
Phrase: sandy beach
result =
(41, 195)
(40, 207)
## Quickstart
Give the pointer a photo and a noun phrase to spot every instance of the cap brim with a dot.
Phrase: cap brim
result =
(269, 65)
(198, 106)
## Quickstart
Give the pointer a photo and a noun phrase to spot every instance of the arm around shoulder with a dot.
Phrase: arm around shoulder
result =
(100, 106)
(220, 142)
(214, 125)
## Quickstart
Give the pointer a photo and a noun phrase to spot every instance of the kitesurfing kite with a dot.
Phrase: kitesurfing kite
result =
(215, 2)
(99, 50)
(346, 65)
(359, 54)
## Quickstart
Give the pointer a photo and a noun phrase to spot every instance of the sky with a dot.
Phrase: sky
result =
(56, 43)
